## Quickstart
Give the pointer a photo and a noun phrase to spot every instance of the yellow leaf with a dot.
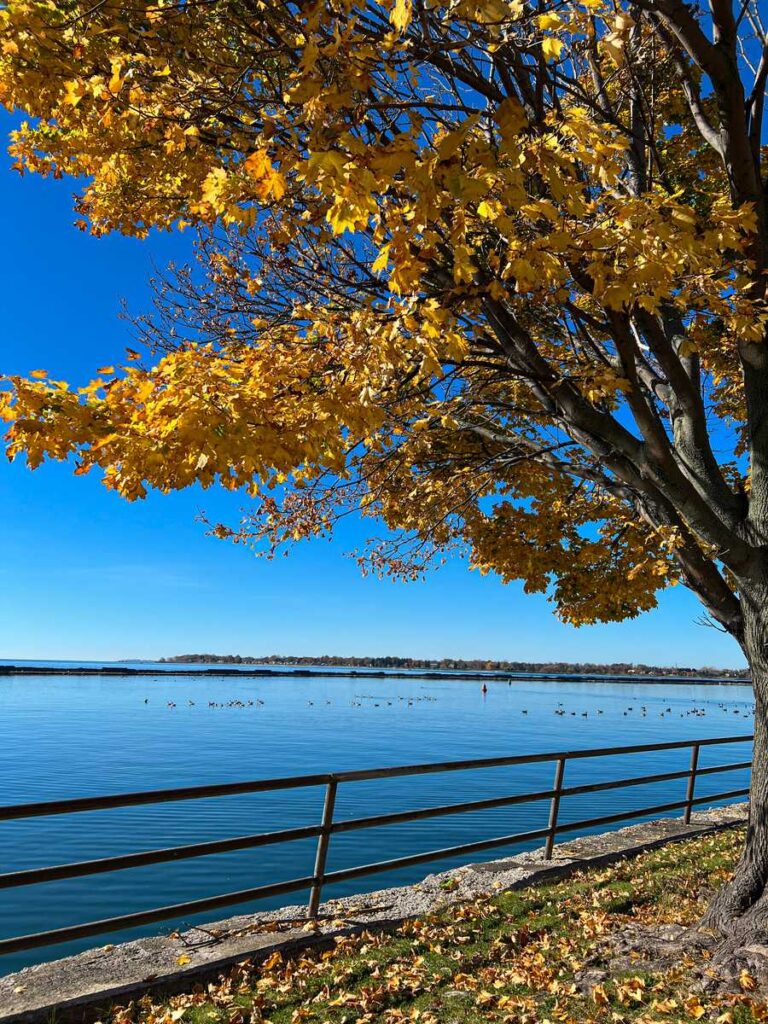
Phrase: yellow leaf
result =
(614, 45)
(551, 47)
(310, 55)
(600, 996)
(144, 391)
(182, 960)
(746, 981)
(694, 1008)
(510, 116)
(271, 183)
(39, 374)
(214, 184)
(349, 213)
(381, 261)
(490, 209)
(74, 92)
(321, 163)
(664, 1005)
(549, 21)
(401, 14)
(490, 11)
(451, 143)
(623, 22)
(683, 217)
(115, 82)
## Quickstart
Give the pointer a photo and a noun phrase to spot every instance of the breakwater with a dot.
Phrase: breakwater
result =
(357, 673)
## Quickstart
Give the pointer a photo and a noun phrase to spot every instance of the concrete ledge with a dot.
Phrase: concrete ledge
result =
(80, 988)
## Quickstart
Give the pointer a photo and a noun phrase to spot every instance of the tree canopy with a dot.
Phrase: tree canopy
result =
(491, 272)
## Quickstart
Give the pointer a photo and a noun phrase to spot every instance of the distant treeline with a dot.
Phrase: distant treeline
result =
(474, 665)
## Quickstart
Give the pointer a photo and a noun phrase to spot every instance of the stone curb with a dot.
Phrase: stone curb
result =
(80, 988)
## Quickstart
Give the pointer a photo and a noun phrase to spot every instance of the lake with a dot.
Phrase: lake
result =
(69, 736)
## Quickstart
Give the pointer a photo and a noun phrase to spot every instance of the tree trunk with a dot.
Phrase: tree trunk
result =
(740, 910)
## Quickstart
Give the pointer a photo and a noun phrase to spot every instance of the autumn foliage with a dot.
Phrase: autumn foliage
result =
(484, 271)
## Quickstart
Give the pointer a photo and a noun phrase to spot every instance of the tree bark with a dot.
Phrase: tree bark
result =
(739, 911)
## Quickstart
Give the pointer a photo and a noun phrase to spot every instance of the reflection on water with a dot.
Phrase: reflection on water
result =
(78, 736)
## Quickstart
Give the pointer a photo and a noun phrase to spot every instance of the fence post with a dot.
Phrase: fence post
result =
(554, 807)
(691, 783)
(322, 847)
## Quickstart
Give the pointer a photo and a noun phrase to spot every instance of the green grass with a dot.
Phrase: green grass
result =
(516, 958)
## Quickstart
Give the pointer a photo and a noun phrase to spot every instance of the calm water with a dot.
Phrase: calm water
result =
(78, 736)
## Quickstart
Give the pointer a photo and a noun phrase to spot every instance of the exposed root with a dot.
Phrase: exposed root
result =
(715, 962)
(735, 902)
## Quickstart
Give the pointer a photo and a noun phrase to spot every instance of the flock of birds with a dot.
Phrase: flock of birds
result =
(642, 710)
(379, 702)
(356, 703)
(216, 704)
(369, 700)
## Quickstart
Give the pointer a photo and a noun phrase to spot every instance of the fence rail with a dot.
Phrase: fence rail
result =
(328, 827)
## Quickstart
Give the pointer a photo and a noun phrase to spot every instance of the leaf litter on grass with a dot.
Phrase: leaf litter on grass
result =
(604, 946)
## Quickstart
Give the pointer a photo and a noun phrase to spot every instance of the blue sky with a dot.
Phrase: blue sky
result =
(84, 575)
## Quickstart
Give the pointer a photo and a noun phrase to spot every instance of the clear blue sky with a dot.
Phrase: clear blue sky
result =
(85, 575)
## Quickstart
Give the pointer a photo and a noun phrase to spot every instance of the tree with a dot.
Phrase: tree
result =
(490, 272)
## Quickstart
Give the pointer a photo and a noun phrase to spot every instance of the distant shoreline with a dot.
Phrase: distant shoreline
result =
(120, 671)
(506, 667)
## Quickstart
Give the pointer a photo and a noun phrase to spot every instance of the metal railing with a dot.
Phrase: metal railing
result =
(328, 827)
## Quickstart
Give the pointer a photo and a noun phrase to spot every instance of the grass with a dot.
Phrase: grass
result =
(537, 956)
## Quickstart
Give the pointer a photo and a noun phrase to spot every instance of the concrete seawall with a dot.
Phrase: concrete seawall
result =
(80, 988)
